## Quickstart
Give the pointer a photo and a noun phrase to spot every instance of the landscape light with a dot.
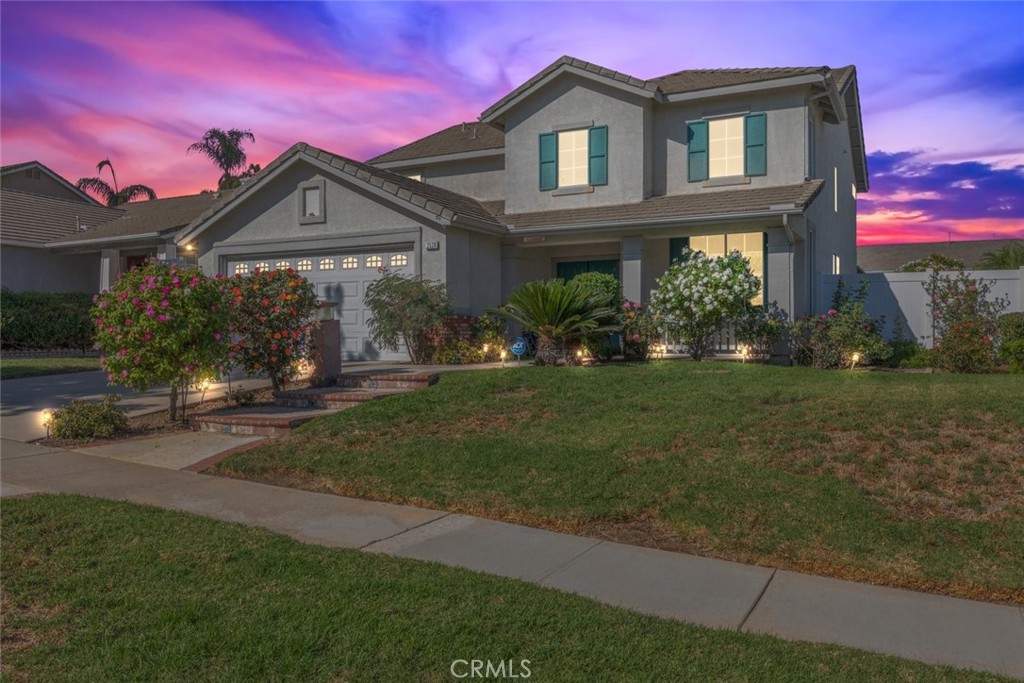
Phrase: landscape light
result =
(854, 359)
(46, 418)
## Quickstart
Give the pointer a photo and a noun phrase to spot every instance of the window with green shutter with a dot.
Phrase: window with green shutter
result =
(597, 150)
(755, 133)
(548, 161)
(676, 246)
(697, 151)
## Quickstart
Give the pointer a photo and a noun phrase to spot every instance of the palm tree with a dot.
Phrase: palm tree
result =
(224, 149)
(113, 196)
(560, 313)
(1008, 258)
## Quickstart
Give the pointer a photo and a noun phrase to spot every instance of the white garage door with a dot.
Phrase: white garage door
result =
(342, 278)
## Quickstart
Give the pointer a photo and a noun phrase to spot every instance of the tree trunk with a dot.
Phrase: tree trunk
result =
(549, 350)
(174, 402)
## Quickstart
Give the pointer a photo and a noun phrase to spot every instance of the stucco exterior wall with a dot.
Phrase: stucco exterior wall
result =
(566, 101)
(35, 269)
(786, 112)
(482, 179)
(473, 270)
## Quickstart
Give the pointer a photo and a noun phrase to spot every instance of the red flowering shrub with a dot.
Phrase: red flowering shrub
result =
(162, 324)
(965, 348)
(640, 330)
(272, 311)
(965, 319)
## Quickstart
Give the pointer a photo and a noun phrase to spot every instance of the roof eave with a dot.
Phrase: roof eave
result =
(440, 158)
(666, 222)
(743, 88)
(113, 239)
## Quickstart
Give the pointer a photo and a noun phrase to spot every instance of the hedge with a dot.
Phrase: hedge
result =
(45, 320)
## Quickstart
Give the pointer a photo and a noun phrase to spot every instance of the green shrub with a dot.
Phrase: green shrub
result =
(1011, 334)
(959, 307)
(640, 329)
(86, 420)
(45, 320)
(965, 347)
(242, 397)
(832, 339)
(406, 307)
(607, 289)
(761, 328)
(933, 262)
(921, 358)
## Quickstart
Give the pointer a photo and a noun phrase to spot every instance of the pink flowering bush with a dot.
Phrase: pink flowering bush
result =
(272, 314)
(831, 339)
(162, 324)
(698, 294)
(965, 320)
(640, 329)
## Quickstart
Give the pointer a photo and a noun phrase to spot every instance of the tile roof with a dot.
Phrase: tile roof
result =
(462, 137)
(695, 205)
(443, 203)
(155, 215)
(691, 80)
(37, 218)
(889, 257)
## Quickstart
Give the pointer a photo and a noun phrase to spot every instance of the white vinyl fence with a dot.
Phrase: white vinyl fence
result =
(901, 296)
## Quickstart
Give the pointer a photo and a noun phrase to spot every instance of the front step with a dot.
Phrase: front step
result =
(387, 380)
(331, 397)
(256, 421)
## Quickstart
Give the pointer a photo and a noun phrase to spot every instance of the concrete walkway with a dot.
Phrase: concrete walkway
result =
(919, 626)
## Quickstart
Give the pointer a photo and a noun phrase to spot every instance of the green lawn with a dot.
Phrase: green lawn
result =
(913, 480)
(16, 368)
(107, 591)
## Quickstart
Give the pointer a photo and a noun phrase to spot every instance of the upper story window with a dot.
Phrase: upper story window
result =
(312, 206)
(574, 158)
(727, 147)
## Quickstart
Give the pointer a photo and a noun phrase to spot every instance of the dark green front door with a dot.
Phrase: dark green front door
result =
(567, 270)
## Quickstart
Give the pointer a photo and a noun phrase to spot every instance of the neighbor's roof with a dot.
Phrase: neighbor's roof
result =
(143, 218)
(14, 168)
(444, 204)
(460, 138)
(38, 219)
(721, 203)
(889, 257)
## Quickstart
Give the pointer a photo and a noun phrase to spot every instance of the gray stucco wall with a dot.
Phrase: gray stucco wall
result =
(482, 179)
(785, 111)
(567, 100)
(473, 264)
(35, 269)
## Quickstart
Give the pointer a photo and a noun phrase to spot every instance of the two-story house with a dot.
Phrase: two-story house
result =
(580, 168)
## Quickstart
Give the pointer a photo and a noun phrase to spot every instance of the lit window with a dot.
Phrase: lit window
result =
(304, 264)
(399, 260)
(241, 269)
(749, 244)
(262, 265)
(836, 264)
(311, 201)
(283, 264)
(326, 264)
(349, 262)
(725, 147)
(572, 157)
(374, 261)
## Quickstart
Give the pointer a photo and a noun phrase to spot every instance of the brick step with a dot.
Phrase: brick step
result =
(256, 421)
(393, 380)
(337, 398)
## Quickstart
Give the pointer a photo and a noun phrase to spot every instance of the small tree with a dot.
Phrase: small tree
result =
(933, 262)
(760, 328)
(162, 324)
(560, 313)
(406, 307)
(698, 294)
(272, 312)
(965, 321)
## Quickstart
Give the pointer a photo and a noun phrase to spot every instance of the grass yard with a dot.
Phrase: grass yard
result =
(911, 480)
(16, 368)
(105, 591)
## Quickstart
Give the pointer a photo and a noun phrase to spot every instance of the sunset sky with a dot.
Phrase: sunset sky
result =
(942, 84)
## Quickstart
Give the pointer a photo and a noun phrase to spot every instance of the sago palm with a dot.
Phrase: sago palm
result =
(113, 196)
(560, 313)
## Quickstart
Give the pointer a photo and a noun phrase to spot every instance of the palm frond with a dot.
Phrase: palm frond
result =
(133, 192)
(99, 187)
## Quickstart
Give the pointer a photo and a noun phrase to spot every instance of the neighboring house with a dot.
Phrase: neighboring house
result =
(889, 257)
(579, 169)
(36, 206)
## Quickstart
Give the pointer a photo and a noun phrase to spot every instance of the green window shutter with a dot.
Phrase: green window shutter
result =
(548, 161)
(597, 170)
(755, 133)
(697, 151)
(676, 246)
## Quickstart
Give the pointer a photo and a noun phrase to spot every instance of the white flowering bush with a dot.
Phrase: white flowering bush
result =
(698, 294)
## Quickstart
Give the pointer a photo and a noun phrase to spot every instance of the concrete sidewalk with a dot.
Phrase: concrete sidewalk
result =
(919, 626)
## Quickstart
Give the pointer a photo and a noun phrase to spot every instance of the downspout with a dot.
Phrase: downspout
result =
(791, 236)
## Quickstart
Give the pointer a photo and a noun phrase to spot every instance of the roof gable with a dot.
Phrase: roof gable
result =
(8, 173)
(432, 202)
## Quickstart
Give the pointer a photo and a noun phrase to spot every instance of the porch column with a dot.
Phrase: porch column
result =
(166, 251)
(110, 267)
(633, 268)
(779, 273)
(511, 270)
